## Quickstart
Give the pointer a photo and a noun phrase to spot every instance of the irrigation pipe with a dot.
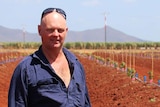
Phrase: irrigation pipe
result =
(10, 60)
(139, 79)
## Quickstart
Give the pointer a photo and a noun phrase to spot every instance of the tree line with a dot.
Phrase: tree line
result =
(113, 45)
(85, 45)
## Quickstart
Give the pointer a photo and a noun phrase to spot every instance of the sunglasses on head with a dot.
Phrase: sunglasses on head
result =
(49, 10)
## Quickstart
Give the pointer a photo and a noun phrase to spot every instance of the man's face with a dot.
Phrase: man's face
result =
(53, 30)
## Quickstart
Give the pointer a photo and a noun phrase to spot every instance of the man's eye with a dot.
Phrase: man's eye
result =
(50, 30)
(60, 30)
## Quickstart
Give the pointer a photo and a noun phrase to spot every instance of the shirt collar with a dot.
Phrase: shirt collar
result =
(40, 55)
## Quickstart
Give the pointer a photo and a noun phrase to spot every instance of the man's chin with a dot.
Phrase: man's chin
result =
(56, 46)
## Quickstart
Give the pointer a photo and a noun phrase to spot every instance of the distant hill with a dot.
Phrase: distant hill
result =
(98, 35)
(93, 35)
(17, 35)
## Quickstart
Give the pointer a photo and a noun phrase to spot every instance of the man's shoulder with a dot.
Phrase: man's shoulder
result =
(29, 58)
(26, 60)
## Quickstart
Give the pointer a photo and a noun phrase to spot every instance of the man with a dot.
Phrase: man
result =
(52, 76)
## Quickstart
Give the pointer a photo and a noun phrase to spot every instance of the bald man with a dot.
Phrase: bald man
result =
(52, 76)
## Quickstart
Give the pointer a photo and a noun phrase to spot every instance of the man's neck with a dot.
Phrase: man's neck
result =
(52, 54)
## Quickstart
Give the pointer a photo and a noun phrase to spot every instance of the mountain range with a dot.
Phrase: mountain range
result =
(92, 35)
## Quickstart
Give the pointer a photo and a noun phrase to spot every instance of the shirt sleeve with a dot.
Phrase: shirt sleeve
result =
(17, 95)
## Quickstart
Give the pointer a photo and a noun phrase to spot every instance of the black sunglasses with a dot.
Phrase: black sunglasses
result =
(58, 10)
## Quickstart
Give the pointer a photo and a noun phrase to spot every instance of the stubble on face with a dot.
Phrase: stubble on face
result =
(53, 30)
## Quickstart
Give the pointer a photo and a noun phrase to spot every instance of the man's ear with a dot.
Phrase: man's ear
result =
(67, 29)
(39, 29)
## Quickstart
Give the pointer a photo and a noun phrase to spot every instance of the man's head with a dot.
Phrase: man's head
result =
(53, 28)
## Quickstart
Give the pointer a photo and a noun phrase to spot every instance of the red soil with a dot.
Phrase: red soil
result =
(6, 71)
(109, 87)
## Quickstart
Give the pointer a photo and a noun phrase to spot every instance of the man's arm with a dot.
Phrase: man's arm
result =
(17, 96)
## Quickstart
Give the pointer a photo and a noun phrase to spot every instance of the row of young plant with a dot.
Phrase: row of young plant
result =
(85, 45)
(6, 57)
(123, 65)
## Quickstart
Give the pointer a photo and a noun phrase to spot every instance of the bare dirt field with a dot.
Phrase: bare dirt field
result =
(6, 71)
(109, 87)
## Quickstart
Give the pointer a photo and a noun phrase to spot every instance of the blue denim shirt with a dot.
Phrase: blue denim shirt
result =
(35, 84)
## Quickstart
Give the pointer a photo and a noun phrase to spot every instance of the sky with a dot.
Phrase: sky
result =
(138, 18)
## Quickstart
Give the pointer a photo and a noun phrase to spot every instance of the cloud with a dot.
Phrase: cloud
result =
(91, 3)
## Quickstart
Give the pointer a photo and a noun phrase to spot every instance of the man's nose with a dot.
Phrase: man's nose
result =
(55, 32)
